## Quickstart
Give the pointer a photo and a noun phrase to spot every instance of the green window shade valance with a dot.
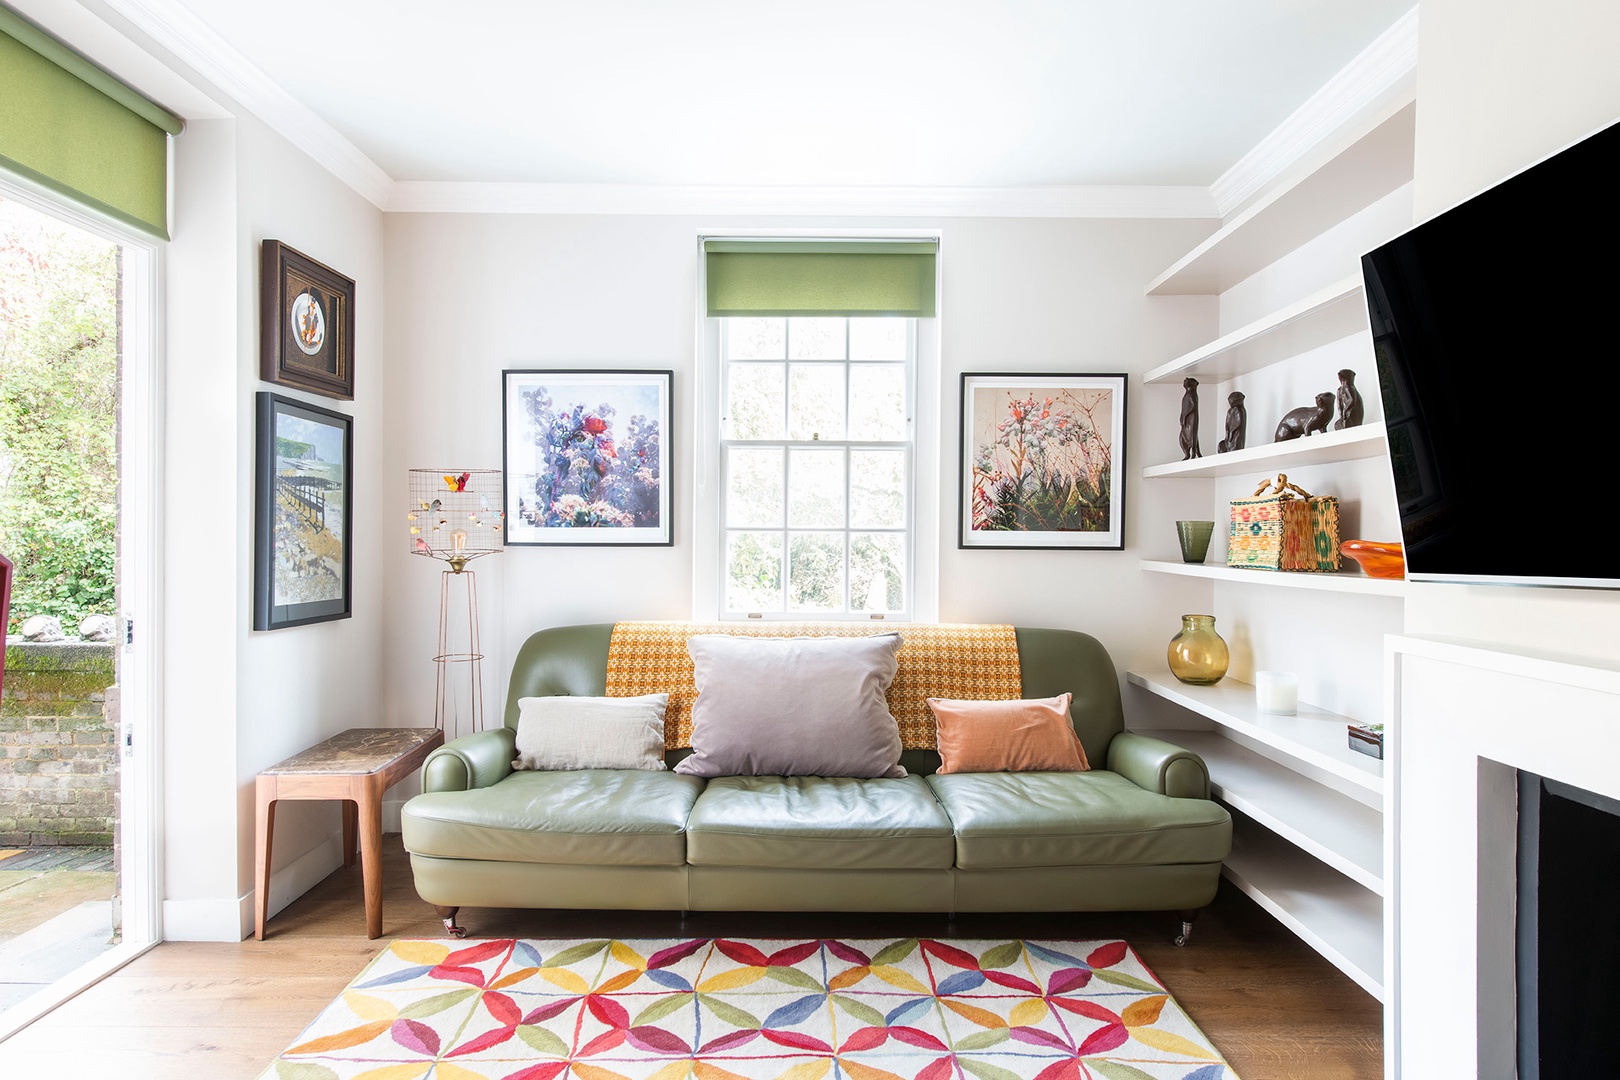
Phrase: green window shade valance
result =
(846, 277)
(68, 125)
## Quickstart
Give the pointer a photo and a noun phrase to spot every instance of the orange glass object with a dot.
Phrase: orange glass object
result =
(1375, 559)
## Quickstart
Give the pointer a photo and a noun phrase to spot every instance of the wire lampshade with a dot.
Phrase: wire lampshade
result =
(456, 514)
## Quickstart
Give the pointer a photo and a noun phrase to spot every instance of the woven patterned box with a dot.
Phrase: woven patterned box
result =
(1284, 528)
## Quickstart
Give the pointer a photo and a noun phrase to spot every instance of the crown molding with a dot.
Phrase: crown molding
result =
(192, 41)
(1384, 71)
(435, 197)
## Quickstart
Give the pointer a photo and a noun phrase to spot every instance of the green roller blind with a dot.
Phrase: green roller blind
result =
(70, 126)
(813, 277)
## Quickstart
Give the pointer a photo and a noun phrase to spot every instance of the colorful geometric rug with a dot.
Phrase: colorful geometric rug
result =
(721, 1009)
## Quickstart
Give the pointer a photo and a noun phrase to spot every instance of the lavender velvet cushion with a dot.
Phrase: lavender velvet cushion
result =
(793, 707)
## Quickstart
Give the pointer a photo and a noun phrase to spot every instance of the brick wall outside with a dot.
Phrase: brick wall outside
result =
(58, 747)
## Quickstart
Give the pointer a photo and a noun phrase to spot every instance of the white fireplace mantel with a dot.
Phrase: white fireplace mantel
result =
(1461, 720)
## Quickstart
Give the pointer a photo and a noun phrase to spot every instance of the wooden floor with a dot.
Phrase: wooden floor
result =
(223, 1012)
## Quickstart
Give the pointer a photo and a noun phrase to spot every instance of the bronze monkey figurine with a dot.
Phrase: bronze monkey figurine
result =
(1352, 410)
(1189, 419)
(1237, 423)
(1306, 419)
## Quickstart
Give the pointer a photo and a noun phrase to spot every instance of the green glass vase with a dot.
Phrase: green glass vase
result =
(1198, 655)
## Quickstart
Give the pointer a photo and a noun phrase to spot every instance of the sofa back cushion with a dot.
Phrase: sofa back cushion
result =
(977, 660)
(1025, 735)
(573, 660)
(793, 707)
(574, 731)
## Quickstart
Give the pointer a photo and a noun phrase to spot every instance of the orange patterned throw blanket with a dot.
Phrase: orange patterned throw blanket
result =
(970, 661)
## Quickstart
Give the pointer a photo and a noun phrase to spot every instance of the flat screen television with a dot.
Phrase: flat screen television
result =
(1496, 332)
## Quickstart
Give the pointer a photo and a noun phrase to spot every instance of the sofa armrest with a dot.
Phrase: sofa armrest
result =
(472, 761)
(1159, 766)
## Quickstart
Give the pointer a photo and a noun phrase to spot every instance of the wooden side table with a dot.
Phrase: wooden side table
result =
(356, 766)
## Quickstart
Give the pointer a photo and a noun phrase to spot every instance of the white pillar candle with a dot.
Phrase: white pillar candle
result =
(1277, 692)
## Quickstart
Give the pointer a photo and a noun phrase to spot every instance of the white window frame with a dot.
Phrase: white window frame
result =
(140, 584)
(708, 531)
(906, 445)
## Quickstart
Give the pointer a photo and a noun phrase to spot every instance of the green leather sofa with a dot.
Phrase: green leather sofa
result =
(1138, 832)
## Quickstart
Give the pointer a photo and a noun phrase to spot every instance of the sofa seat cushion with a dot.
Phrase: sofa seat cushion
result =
(1093, 818)
(819, 823)
(609, 816)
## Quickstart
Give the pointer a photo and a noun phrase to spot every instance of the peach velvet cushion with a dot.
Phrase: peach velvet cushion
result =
(1031, 735)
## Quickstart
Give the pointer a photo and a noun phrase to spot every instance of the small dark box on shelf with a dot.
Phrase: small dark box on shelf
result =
(1367, 739)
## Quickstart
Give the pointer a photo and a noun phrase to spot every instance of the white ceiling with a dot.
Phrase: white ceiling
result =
(933, 93)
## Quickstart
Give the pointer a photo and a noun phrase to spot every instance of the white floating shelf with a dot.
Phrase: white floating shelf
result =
(1315, 737)
(1345, 834)
(1334, 915)
(1346, 444)
(1336, 312)
(1370, 162)
(1342, 582)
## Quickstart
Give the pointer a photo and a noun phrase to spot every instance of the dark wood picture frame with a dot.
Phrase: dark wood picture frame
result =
(1007, 419)
(306, 323)
(614, 453)
(293, 537)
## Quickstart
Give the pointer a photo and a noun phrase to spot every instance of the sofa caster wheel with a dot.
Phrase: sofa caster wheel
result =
(448, 914)
(1181, 939)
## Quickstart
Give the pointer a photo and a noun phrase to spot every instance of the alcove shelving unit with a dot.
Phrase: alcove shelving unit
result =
(1345, 445)
(1307, 816)
(1308, 811)
(1342, 582)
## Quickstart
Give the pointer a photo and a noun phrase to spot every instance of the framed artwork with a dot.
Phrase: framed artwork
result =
(1043, 461)
(586, 457)
(306, 323)
(304, 521)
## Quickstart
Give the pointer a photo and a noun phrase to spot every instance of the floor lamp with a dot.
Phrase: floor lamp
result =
(455, 515)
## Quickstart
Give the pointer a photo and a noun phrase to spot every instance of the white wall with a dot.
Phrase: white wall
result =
(200, 564)
(235, 700)
(1502, 84)
(469, 295)
(302, 684)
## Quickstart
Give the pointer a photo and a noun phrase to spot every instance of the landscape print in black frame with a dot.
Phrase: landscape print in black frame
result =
(586, 457)
(303, 530)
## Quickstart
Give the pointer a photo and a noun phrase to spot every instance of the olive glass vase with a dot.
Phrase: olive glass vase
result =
(1198, 655)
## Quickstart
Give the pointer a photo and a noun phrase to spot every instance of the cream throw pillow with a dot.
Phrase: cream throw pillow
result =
(564, 732)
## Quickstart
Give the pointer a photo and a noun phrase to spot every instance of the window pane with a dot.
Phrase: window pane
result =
(877, 489)
(816, 489)
(756, 339)
(753, 571)
(877, 572)
(877, 402)
(816, 339)
(816, 572)
(877, 339)
(755, 398)
(754, 489)
(816, 401)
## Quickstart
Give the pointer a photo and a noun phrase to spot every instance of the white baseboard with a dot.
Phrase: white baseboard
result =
(224, 920)
(205, 920)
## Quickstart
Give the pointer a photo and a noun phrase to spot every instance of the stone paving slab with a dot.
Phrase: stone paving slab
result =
(31, 898)
(34, 960)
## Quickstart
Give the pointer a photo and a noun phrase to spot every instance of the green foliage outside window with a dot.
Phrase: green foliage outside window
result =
(59, 349)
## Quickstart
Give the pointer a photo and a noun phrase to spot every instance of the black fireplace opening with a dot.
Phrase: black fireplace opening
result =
(1568, 930)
